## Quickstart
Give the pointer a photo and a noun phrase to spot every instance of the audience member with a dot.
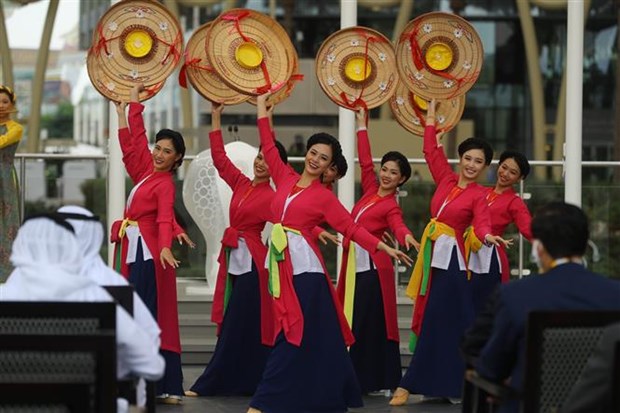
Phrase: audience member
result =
(560, 233)
(47, 261)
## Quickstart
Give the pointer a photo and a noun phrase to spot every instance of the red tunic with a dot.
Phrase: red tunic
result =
(314, 205)
(249, 211)
(380, 216)
(152, 208)
(505, 208)
(467, 208)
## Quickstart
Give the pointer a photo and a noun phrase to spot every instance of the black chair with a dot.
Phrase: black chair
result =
(615, 402)
(61, 355)
(558, 345)
(123, 294)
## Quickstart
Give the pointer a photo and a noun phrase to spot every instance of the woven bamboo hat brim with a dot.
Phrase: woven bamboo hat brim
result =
(111, 88)
(201, 74)
(136, 41)
(250, 51)
(439, 55)
(410, 111)
(356, 67)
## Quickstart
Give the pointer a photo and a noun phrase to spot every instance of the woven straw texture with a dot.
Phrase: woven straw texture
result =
(236, 28)
(412, 117)
(110, 88)
(451, 44)
(135, 41)
(201, 74)
(356, 67)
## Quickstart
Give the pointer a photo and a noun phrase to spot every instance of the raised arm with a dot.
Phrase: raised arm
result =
(433, 152)
(278, 169)
(132, 138)
(227, 170)
(369, 179)
(13, 134)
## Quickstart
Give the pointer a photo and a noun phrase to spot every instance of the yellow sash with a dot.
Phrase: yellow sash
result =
(418, 283)
(277, 245)
(472, 244)
(349, 290)
(126, 222)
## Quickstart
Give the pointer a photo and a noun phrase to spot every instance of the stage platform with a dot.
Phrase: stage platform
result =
(374, 404)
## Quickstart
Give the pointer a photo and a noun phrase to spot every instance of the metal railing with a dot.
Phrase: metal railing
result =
(22, 158)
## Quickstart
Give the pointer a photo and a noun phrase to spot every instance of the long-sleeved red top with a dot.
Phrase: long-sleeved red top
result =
(152, 208)
(468, 208)
(381, 215)
(249, 211)
(312, 206)
(506, 208)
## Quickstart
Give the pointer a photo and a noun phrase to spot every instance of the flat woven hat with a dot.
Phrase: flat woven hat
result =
(410, 111)
(201, 74)
(356, 67)
(250, 51)
(111, 88)
(136, 41)
(439, 55)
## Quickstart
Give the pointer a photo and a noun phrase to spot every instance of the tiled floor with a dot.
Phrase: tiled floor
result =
(375, 404)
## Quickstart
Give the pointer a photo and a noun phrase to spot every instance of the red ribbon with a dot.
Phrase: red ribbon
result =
(102, 43)
(190, 63)
(419, 62)
(172, 49)
(359, 102)
(235, 17)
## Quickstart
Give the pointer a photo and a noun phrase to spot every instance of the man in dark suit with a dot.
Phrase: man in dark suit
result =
(560, 234)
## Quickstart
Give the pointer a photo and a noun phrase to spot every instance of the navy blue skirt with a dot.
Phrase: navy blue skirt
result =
(239, 358)
(436, 367)
(318, 375)
(484, 284)
(375, 358)
(142, 277)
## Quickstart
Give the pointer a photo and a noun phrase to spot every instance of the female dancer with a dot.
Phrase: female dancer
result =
(439, 285)
(489, 264)
(366, 284)
(10, 135)
(145, 234)
(241, 304)
(308, 369)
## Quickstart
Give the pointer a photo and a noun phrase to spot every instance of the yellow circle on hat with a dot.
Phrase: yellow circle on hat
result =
(138, 43)
(420, 102)
(354, 69)
(248, 55)
(439, 56)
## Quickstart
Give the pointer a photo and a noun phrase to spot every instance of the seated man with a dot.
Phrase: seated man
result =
(560, 234)
(47, 261)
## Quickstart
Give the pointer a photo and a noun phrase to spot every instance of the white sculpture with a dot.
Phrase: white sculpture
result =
(207, 198)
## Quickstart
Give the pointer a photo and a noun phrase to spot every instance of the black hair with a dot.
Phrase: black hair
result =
(519, 158)
(177, 142)
(562, 229)
(326, 139)
(341, 166)
(9, 92)
(401, 161)
(477, 143)
(281, 151)
(52, 216)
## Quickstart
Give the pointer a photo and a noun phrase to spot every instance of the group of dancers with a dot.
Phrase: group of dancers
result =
(287, 337)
